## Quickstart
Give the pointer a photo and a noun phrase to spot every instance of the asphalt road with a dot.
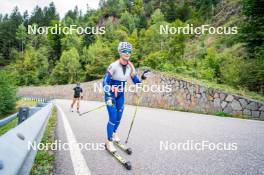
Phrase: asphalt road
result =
(154, 129)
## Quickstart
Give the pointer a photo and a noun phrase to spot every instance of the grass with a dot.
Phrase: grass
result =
(28, 103)
(20, 103)
(8, 126)
(221, 87)
(13, 123)
(222, 114)
(45, 159)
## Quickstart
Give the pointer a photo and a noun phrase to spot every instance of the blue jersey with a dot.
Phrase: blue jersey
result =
(117, 74)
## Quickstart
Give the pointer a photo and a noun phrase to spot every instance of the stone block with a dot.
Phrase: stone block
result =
(243, 102)
(255, 114)
(236, 105)
(247, 112)
(229, 98)
(223, 104)
(252, 106)
(222, 96)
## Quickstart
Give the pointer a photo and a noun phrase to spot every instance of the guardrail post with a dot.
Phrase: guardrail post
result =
(23, 114)
(1, 164)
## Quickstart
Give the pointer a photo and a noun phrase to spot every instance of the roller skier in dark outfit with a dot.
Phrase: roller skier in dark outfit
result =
(76, 97)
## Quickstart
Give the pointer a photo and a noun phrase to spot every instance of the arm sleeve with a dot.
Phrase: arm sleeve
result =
(135, 79)
(134, 76)
(107, 80)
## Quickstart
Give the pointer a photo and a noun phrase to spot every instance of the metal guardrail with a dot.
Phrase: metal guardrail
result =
(39, 99)
(8, 119)
(32, 110)
(16, 156)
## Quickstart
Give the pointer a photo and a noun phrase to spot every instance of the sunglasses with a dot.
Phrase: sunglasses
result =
(126, 51)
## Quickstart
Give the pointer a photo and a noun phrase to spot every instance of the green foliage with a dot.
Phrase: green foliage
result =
(54, 41)
(8, 29)
(8, 126)
(7, 93)
(176, 45)
(136, 56)
(230, 68)
(169, 10)
(206, 7)
(252, 36)
(252, 75)
(127, 20)
(44, 160)
(156, 60)
(114, 32)
(71, 41)
(67, 69)
(45, 16)
(32, 69)
(61, 59)
(209, 66)
(151, 40)
(184, 12)
(222, 114)
(253, 26)
(137, 7)
(21, 35)
(114, 7)
(97, 57)
(157, 17)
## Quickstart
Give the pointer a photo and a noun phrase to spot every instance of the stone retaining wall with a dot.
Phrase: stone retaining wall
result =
(184, 95)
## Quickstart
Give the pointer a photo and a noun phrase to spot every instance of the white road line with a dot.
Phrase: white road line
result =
(78, 161)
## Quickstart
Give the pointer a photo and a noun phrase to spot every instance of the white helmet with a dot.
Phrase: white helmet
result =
(124, 46)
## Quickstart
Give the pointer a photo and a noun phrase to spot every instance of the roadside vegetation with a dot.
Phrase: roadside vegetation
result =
(44, 160)
(226, 61)
(13, 123)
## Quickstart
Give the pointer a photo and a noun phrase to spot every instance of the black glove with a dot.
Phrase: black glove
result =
(145, 74)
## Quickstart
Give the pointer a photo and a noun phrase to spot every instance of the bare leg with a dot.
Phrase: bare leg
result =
(73, 102)
(78, 104)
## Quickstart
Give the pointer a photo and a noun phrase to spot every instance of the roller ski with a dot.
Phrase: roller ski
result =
(123, 147)
(111, 149)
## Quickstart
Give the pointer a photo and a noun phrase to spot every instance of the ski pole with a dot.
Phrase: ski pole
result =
(134, 115)
(92, 110)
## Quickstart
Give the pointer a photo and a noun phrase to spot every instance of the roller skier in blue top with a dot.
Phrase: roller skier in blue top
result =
(113, 83)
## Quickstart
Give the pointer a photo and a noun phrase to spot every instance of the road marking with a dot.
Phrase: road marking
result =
(78, 161)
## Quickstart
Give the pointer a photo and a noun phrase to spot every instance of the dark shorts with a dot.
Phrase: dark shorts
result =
(76, 96)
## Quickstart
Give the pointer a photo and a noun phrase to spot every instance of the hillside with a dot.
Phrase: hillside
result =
(227, 59)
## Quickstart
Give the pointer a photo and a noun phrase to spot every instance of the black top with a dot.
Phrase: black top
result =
(124, 68)
(77, 91)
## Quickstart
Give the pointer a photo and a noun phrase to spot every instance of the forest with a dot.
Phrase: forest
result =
(234, 60)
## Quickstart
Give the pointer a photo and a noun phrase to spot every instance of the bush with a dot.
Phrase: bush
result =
(209, 66)
(68, 69)
(7, 93)
(252, 75)
(230, 68)
(155, 60)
